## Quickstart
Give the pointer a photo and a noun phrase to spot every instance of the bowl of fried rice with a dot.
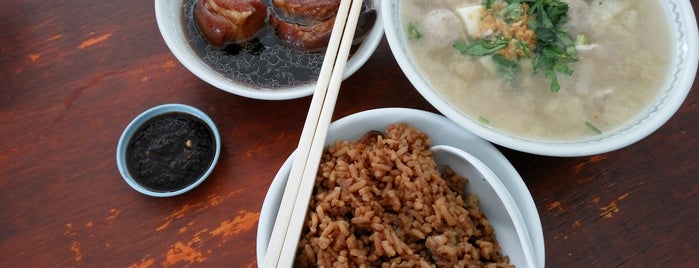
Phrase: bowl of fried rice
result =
(380, 198)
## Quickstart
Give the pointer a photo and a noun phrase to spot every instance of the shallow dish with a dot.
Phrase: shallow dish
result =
(169, 16)
(141, 120)
(683, 64)
(441, 131)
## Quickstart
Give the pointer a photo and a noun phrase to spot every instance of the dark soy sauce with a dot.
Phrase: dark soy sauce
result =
(170, 151)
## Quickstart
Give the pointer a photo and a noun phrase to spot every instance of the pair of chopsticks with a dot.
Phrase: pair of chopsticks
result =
(283, 242)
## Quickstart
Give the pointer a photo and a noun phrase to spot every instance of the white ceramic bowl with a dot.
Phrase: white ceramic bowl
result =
(441, 131)
(672, 95)
(169, 16)
(144, 117)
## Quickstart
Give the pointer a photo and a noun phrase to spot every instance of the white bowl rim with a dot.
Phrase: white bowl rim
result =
(648, 122)
(485, 151)
(173, 37)
(142, 118)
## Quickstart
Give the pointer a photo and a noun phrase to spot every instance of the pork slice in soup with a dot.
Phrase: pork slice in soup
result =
(610, 73)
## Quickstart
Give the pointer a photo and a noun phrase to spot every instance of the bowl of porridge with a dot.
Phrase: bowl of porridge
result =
(558, 78)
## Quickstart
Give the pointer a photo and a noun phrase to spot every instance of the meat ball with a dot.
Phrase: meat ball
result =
(229, 21)
(442, 28)
(578, 16)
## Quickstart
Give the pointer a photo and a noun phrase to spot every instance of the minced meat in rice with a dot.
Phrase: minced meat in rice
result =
(381, 202)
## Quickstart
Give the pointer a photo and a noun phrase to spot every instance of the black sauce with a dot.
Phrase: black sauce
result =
(170, 151)
(263, 62)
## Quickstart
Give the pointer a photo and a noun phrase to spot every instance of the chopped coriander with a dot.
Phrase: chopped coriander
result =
(554, 48)
(551, 49)
(413, 33)
(507, 69)
(513, 12)
(481, 47)
(592, 127)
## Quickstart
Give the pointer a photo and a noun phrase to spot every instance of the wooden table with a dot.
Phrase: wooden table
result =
(75, 73)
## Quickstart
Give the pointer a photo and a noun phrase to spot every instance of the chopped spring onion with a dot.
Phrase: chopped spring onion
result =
(592, 127)
(483, 120)
(413, 33)
(581, 40)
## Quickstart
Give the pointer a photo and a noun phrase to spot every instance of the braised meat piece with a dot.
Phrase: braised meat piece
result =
(308, 28)
(318, 10)
(312, 37)
(229, 21)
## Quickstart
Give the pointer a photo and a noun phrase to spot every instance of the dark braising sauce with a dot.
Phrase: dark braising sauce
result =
(170, 151)
(264, 62)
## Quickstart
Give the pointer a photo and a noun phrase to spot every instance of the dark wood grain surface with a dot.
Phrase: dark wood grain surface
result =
(75, 73)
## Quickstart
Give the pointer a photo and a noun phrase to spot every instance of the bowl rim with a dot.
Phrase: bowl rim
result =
(656, 114)
(173, 35)
(142, 118)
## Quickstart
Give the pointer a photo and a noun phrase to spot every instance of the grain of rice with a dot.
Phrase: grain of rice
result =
(381, 202)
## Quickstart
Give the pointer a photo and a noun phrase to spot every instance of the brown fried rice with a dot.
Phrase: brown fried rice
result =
(381, 202)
